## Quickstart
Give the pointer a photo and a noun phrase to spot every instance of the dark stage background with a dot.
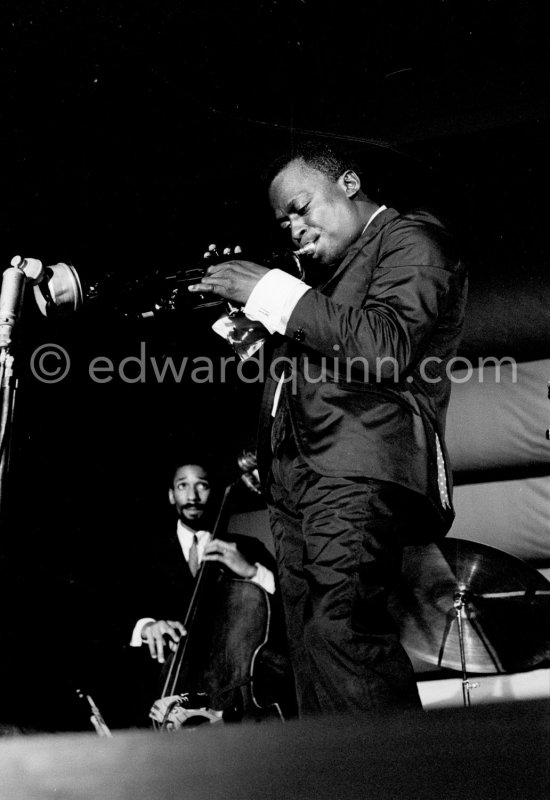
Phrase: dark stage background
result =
(132, 137)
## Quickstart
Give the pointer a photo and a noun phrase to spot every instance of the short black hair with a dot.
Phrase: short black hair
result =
(330, 159)
(200, 458)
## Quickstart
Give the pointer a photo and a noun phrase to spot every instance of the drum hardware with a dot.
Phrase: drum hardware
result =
(468, 607)
(95, 715)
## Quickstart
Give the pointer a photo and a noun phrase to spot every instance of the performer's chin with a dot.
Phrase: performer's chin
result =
(192, 514)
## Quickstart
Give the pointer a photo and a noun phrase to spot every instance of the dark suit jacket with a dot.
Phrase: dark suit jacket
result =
(167, 592)
(366, 383)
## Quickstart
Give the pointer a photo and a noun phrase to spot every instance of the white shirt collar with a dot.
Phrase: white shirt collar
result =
(372, 216)
(185, 537)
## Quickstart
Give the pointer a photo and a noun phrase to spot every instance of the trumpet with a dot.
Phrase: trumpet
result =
(158, 293)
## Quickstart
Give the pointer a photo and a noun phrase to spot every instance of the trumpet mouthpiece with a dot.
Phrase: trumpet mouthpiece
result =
(307, 250)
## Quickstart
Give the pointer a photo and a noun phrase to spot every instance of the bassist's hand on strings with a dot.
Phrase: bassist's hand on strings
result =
(226, 553)
(161, 633)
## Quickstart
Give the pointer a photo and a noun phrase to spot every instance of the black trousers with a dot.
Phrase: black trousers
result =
(339, 546)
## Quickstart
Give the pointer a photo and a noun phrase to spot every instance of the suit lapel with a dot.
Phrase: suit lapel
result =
(379, 222)
(180, 574)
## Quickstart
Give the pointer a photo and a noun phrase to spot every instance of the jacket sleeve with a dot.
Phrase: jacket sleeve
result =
(412, 282)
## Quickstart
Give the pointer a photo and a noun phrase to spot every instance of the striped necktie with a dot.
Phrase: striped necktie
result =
(441, 476)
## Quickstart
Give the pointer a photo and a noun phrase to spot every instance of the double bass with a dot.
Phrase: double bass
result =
(224, 668)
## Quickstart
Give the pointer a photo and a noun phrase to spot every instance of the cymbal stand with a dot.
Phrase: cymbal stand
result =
(459, 605)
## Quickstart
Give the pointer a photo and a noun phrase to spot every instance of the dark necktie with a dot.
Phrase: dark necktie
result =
(194, 557)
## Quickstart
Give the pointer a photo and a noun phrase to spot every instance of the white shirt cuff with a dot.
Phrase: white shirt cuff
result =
(136, 640)
(273, 299)
(264, 578)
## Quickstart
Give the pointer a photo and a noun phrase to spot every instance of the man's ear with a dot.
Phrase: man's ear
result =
(350, 182)
(171, 498)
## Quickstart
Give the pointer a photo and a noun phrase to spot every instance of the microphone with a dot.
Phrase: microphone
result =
(248, 465)
(251, 482)
(59, 291)
(56, 289)
(11, 300)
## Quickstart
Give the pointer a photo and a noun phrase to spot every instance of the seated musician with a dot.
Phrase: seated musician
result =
(173, 567)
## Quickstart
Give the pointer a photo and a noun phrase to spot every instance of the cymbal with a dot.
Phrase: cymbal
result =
(505, 607)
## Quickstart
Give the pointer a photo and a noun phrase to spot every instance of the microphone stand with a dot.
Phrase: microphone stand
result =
(14, 281)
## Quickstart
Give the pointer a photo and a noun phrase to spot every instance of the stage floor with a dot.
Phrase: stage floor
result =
(487, 752)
